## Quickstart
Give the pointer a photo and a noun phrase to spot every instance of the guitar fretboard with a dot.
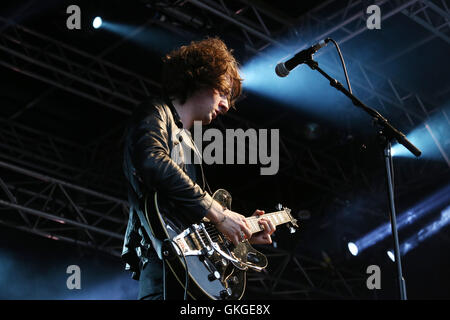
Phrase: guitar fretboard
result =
(277, 218)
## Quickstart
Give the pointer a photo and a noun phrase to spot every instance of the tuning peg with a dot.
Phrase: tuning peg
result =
(291, 229)
(279, 206)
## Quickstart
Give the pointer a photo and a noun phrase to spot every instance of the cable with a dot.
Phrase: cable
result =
(376, 114)
(164, 279)
(186, 270)
(164, 261)
(343, 63)
(350, 89)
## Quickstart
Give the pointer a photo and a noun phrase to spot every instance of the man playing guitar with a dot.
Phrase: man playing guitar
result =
(200, 82)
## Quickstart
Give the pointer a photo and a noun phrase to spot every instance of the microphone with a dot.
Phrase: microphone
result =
(283, 68)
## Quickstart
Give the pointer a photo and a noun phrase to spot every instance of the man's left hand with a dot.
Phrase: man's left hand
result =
(263, 237)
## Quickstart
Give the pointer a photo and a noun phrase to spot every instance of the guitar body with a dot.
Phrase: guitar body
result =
(215, 267)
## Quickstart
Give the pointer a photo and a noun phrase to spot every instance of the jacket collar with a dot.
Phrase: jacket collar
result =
(176, 116)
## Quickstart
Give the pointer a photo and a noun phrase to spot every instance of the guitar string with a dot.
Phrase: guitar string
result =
(268, 214)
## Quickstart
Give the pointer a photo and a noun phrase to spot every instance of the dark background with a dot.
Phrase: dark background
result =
(58, 126)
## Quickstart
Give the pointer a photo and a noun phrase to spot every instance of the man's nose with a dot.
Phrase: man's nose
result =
(224, 106)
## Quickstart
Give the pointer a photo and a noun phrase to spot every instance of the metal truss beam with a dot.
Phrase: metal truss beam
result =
(61, 210)
(255, 27)
(351, 26)
(433, 16)
(343, 28)
(295, 276)
(406, 50)
(58, 157)
(344, 24)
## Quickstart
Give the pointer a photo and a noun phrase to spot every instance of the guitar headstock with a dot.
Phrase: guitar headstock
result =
(292, 224)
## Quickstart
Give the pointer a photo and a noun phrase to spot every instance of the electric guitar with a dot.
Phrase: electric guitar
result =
(215, 266)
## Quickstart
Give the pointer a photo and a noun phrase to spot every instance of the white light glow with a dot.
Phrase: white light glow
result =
(353, 248)
(97, 23)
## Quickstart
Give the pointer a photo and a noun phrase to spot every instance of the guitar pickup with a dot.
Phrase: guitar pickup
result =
(253, 258)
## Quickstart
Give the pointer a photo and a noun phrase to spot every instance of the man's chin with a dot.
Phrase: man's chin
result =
(207, 121)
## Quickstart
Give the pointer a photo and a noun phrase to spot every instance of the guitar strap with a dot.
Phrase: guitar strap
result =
(157, 243)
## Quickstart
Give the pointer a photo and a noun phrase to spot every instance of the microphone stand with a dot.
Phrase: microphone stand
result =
(386, 134)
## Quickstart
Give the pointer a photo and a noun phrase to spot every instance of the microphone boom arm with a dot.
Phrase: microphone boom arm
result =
(390, 131)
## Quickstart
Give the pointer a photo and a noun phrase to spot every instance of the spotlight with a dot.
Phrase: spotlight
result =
(352, 248)
(97, 22)
(421, 209)
(391, 255)
(426, 232)
(430, 137)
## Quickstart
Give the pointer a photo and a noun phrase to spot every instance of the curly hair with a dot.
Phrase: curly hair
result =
(201, 64)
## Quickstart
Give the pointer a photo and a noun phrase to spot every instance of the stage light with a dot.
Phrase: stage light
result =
(353, 248)
(426, 232)
(148, 37)
(97, 22)
(421, 139)
(438, 199)
(431, 137)
(391, 255)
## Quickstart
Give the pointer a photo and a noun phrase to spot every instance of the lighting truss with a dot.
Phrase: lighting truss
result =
(70, 69)
(346, 22)
(14, 44)
(433, 15)
(57, 157)
(59, 210)
(295, 276)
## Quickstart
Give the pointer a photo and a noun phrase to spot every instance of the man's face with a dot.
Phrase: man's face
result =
(211, 103)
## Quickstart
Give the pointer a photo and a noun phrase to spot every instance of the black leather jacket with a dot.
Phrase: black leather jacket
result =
(155, 143)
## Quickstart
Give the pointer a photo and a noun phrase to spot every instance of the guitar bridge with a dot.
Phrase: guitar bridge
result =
(194, 241)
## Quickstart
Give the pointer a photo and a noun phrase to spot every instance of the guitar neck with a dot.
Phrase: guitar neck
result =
(277, 218)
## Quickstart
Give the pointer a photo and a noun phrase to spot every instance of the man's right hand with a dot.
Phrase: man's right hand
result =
(231, 224)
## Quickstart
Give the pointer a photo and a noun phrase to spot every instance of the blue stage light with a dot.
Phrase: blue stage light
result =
(425, 233)
(431, 137)
(149, 38)
(438, 199)
(353, 248)
(391, 255)
(303, 89)
(97, 22)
